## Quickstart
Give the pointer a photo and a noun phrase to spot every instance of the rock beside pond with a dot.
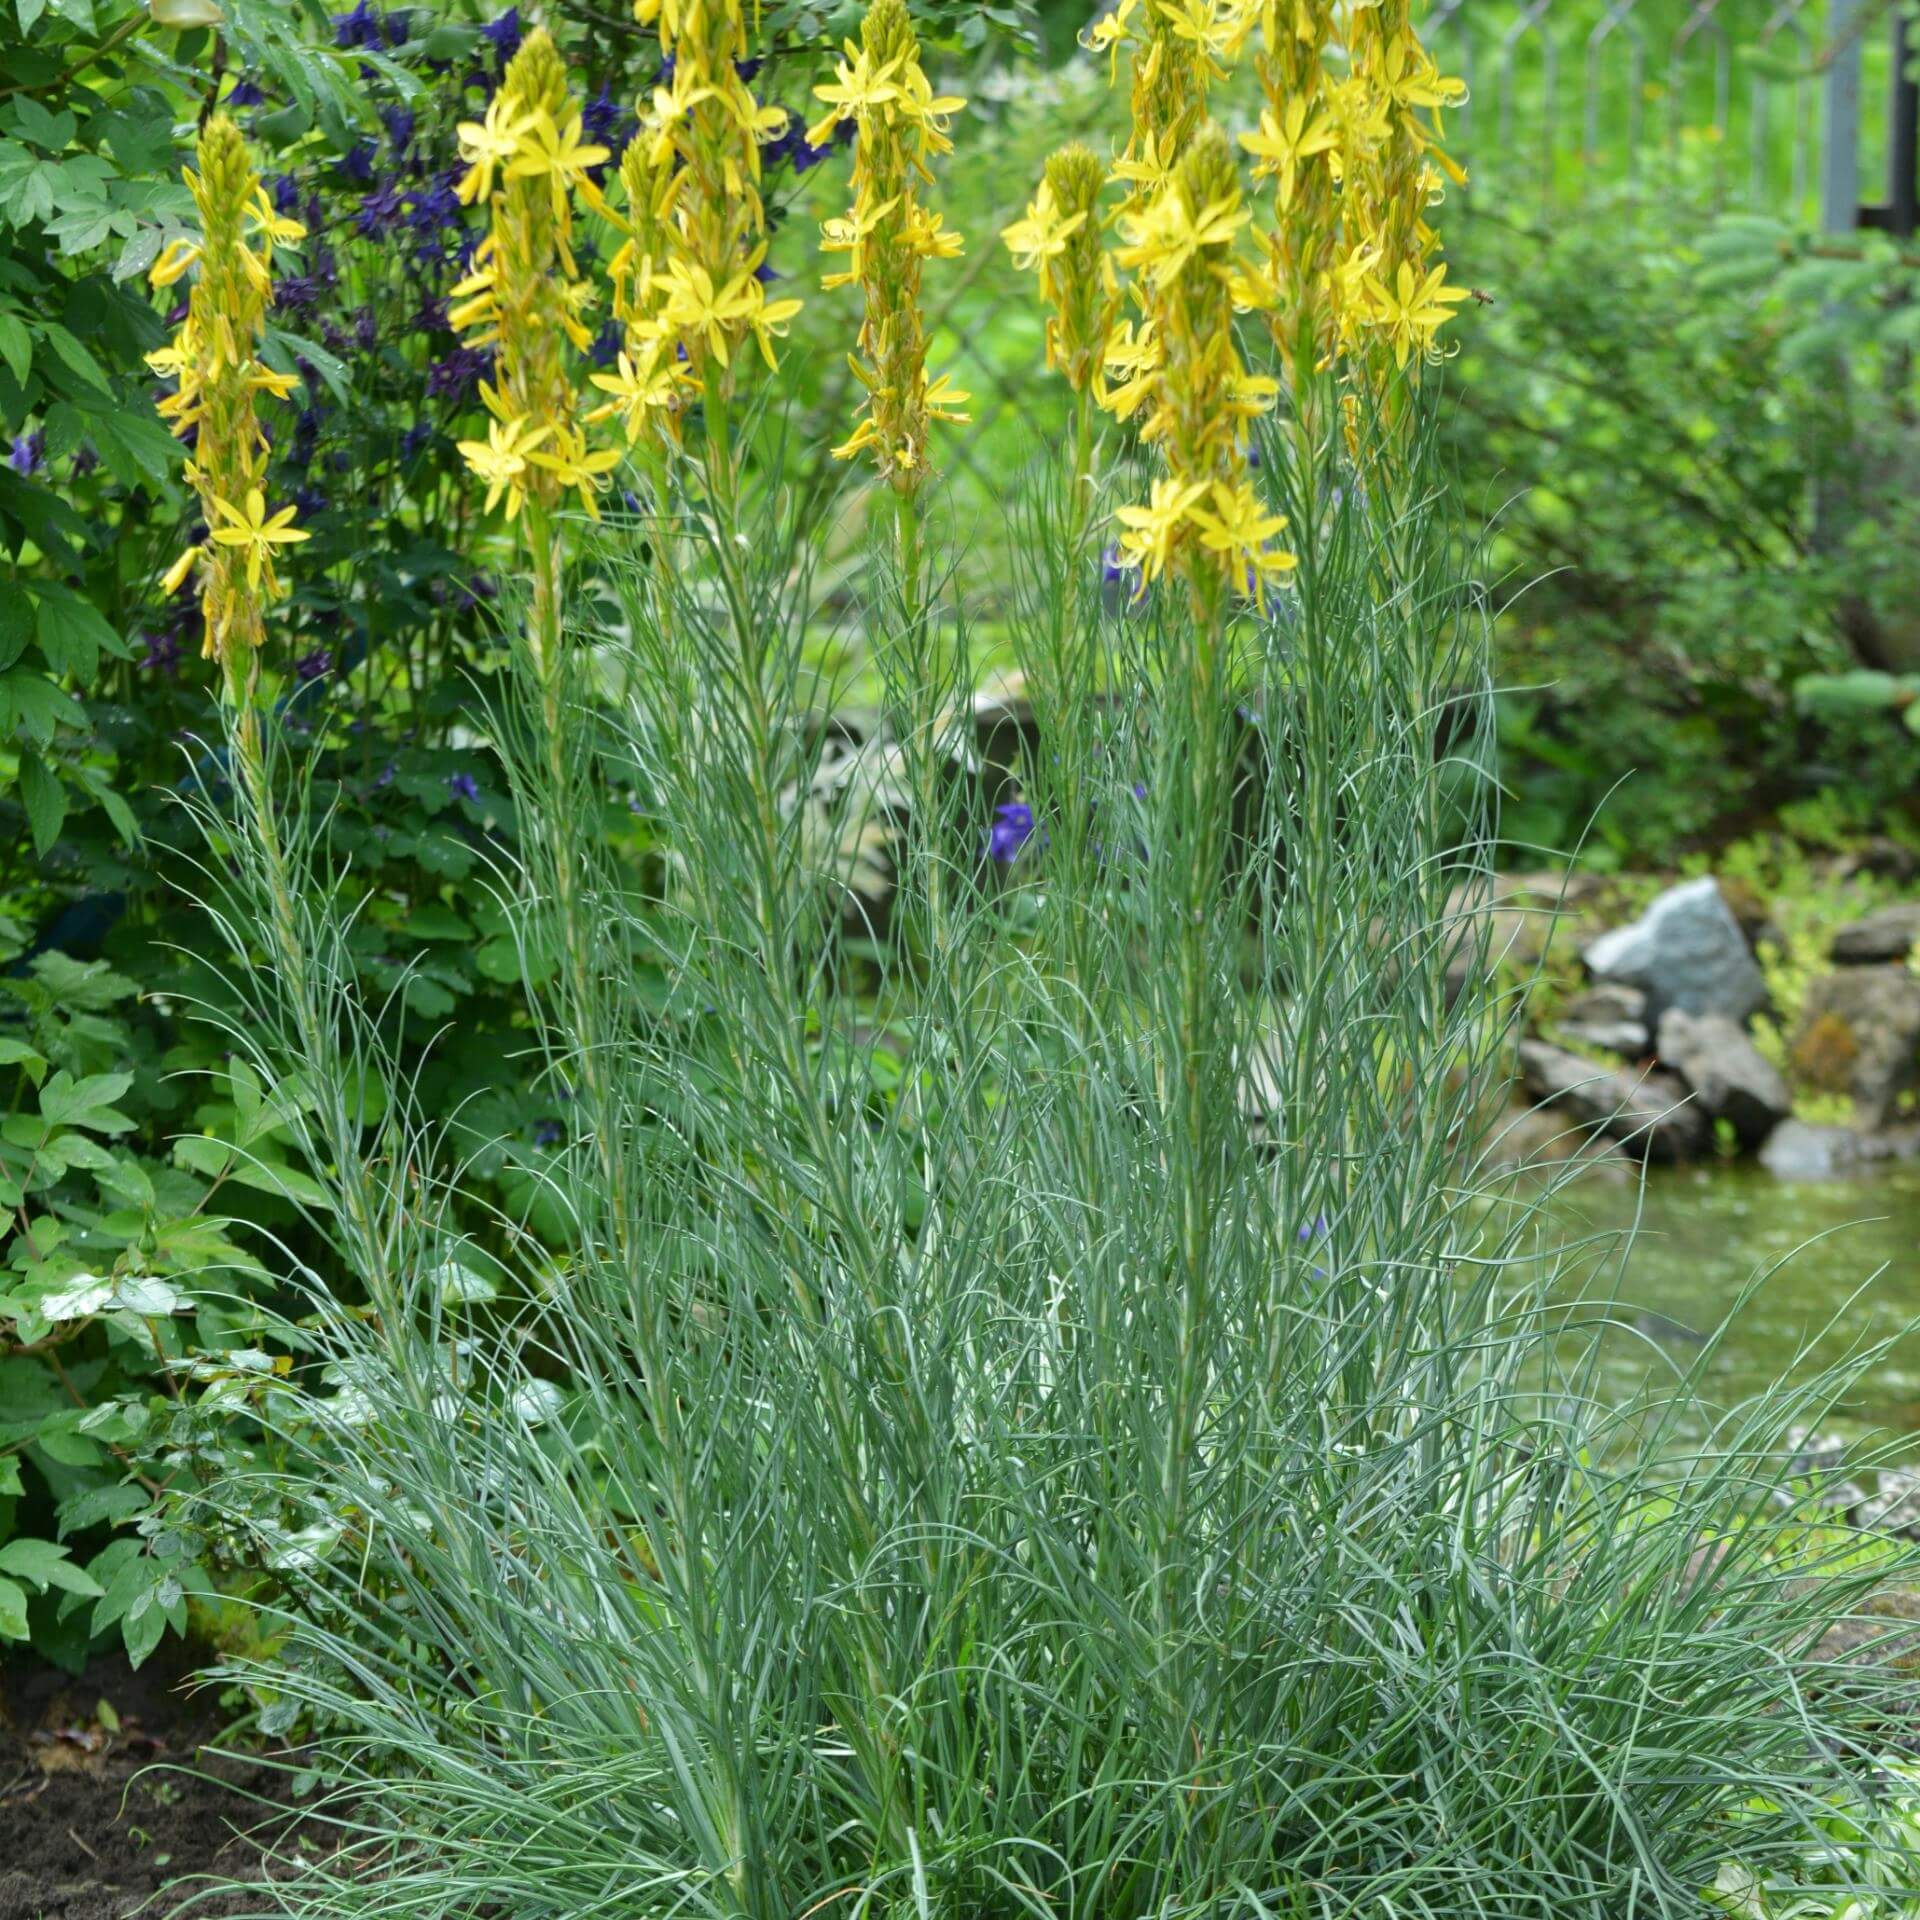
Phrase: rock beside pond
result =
(1646, 1112)
(1859, 1034)
(1730, 1079)
(1612, 1017)
(1895, 1507)
(1685, 951)
(1883, 936)
(1796, 1150)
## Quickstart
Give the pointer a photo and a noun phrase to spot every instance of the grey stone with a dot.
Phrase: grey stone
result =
(1603, 1004)
(1895, 1506)
(1627, 1037)
(1685, 951)
(1814, 1455)
(1643, 1111)
(1539, 1137)
(1725, 1071)
(1884, 859)
(1886, 935)
(1859, 1034)
(1613, 1018)
(1796, 1150)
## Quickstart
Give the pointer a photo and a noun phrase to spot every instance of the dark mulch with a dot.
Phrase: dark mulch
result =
(95, 1821)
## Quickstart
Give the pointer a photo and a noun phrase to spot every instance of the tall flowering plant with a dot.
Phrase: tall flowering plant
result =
(529, 161)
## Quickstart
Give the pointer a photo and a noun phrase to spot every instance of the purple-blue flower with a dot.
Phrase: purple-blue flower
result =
(380, 210)
(313, 666)
(286, 193)
(436, 207)
(1012, 829)
(244, 93)
(29, 452)
(503, 35)
(463, 786)
(456, 375)
(360, 28)
(163, 652)
(399, 123)
(415, 440)
(548, 1133)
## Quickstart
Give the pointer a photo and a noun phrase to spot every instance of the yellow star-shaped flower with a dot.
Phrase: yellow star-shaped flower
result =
(501, 460)
(1043, 234)
(249, 528)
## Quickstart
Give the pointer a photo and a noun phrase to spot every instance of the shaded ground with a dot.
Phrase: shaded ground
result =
(97, 1817)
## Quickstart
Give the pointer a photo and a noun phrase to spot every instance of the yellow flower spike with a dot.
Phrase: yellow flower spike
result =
(574, 466)
(889, 235)
(641, 390)
(557, 154)
(1149, 532)
(1283, 140)
(1043, 234)
(525, 298)
(694, 213)
(214, 359)
(1182, 371)
(1060, 240)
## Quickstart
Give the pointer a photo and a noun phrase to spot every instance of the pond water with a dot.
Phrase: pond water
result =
(1832, 1248)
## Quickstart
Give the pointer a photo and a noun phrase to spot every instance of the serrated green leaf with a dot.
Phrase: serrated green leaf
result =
(73, 633)
(45, 801)
(44, 1565)
(16, 345)
(67, 1102)
(75, 357)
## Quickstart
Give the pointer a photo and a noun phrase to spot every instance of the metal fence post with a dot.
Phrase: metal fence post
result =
(1840, 147)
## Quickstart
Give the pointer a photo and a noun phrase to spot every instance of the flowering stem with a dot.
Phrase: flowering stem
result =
(1193, 1077)
(546, 643)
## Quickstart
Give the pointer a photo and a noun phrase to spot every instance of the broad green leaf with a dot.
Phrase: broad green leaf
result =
(13, 1611)
(45, 801)
(73, 633)
(16, 345)
(68, 1102)
(81, 1298)
(75, 357)
(46, 1565)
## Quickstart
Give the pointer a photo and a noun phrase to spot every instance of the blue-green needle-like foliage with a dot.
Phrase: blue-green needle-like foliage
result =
(1050, 1414)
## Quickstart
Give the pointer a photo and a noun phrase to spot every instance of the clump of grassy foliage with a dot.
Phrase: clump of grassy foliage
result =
(1038, 1415)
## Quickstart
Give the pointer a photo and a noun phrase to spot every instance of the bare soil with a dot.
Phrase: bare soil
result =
(112, 1809)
